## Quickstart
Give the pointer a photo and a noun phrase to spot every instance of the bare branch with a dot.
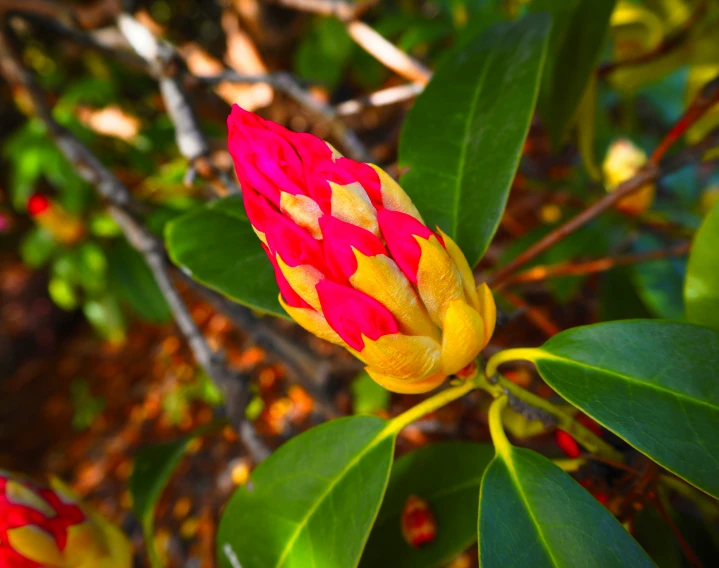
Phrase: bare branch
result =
(389, 96)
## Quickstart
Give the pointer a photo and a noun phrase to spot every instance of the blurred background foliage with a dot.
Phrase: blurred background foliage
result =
(86, 340)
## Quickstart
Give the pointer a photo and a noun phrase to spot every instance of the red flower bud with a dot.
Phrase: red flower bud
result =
(37, 204)
(418, 524)
(567, 443)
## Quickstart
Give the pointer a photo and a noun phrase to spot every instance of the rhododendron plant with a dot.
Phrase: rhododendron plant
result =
(47, 527)
(355, 263)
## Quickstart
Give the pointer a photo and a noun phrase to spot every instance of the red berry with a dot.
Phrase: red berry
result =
(37, 204)
(567, 444)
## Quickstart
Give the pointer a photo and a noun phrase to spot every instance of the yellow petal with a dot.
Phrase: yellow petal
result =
(404, 387)
(488, 311)
(303, 279)
(260, 235)
(302, 210)
(336, 154)
(462, 336)
(468, 283)
(313, 321)
(379, 277)
(17, 494)
(35, 544)
(351, 203)
(393, 196)
(85, 545)
(404, 357)
(438, 279)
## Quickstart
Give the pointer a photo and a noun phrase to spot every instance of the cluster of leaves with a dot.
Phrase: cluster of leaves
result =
(333, 496)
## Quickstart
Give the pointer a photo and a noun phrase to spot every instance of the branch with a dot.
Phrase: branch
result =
(387, 53)
(340, 9)
(384, 97)
(648, 174)
(540, 273)
(167, 66)
(123, 209)
(289, 85)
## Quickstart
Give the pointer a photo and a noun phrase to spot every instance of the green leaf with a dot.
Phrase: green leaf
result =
(217, 246)
(653, 383)
(464, 135)
(447, 475)
(578, 31)
(37, 247)
(153, 468)
(531, 513)
(701, 288)
(368, 396)
(134, 283)
(324, 52)
(313, 502)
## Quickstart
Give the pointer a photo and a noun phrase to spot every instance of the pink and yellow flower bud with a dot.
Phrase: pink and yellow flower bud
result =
(354, 261)
(622, 162)
(47, 527)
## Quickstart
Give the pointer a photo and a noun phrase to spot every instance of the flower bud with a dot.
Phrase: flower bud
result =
(44, 526)
(622, 162)
(418, 524)
(51, 216)
(354, 261)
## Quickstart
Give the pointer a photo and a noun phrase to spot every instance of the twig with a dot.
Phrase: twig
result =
(669, 44)
(647, 175)
(166, 65)
(289, 85)
(340, 9)
(384, 97)
(707, 97)
(540, 273)
(123, 209)
(689, 553)
(387, 53)
(541, 321)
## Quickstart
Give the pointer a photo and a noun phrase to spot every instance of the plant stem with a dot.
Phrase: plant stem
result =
(433, 403)
(499, 438)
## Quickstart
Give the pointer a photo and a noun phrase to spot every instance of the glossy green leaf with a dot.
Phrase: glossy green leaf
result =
(152, 470)
(578, 31)
(653, 383)
(701, 288)
(217, 246)
(313, 502)
(134, 283)
(531, 513)
(464, 135)
(447, 475)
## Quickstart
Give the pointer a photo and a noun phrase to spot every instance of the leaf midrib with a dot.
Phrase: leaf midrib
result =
(385, 432)
(515, 481)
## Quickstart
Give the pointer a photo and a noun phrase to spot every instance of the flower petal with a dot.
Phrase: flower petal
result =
(488, 311)
(457, 256)
(350, 203)
(404, 357)
(394, 197)
(404, 387)
(313, 321)
(438, 279)
(462, 336)
(302, 279)
(340, 239)
(399, 230)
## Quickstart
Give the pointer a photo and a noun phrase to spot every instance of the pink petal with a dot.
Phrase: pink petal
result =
(352, 313)
(288, 293)
(339, 238)
(398, 230)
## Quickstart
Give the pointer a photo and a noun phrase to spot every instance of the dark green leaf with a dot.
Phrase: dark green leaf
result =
(701, 289)
(578, 31)
(464, 135)
(653, 383)
(531, 513)
(217, 246)
(313, 502)
(447, 475)
(135, 284)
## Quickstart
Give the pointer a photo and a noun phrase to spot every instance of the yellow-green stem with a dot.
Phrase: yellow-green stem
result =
(565, 421)
(431, 404)
(499, 438)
